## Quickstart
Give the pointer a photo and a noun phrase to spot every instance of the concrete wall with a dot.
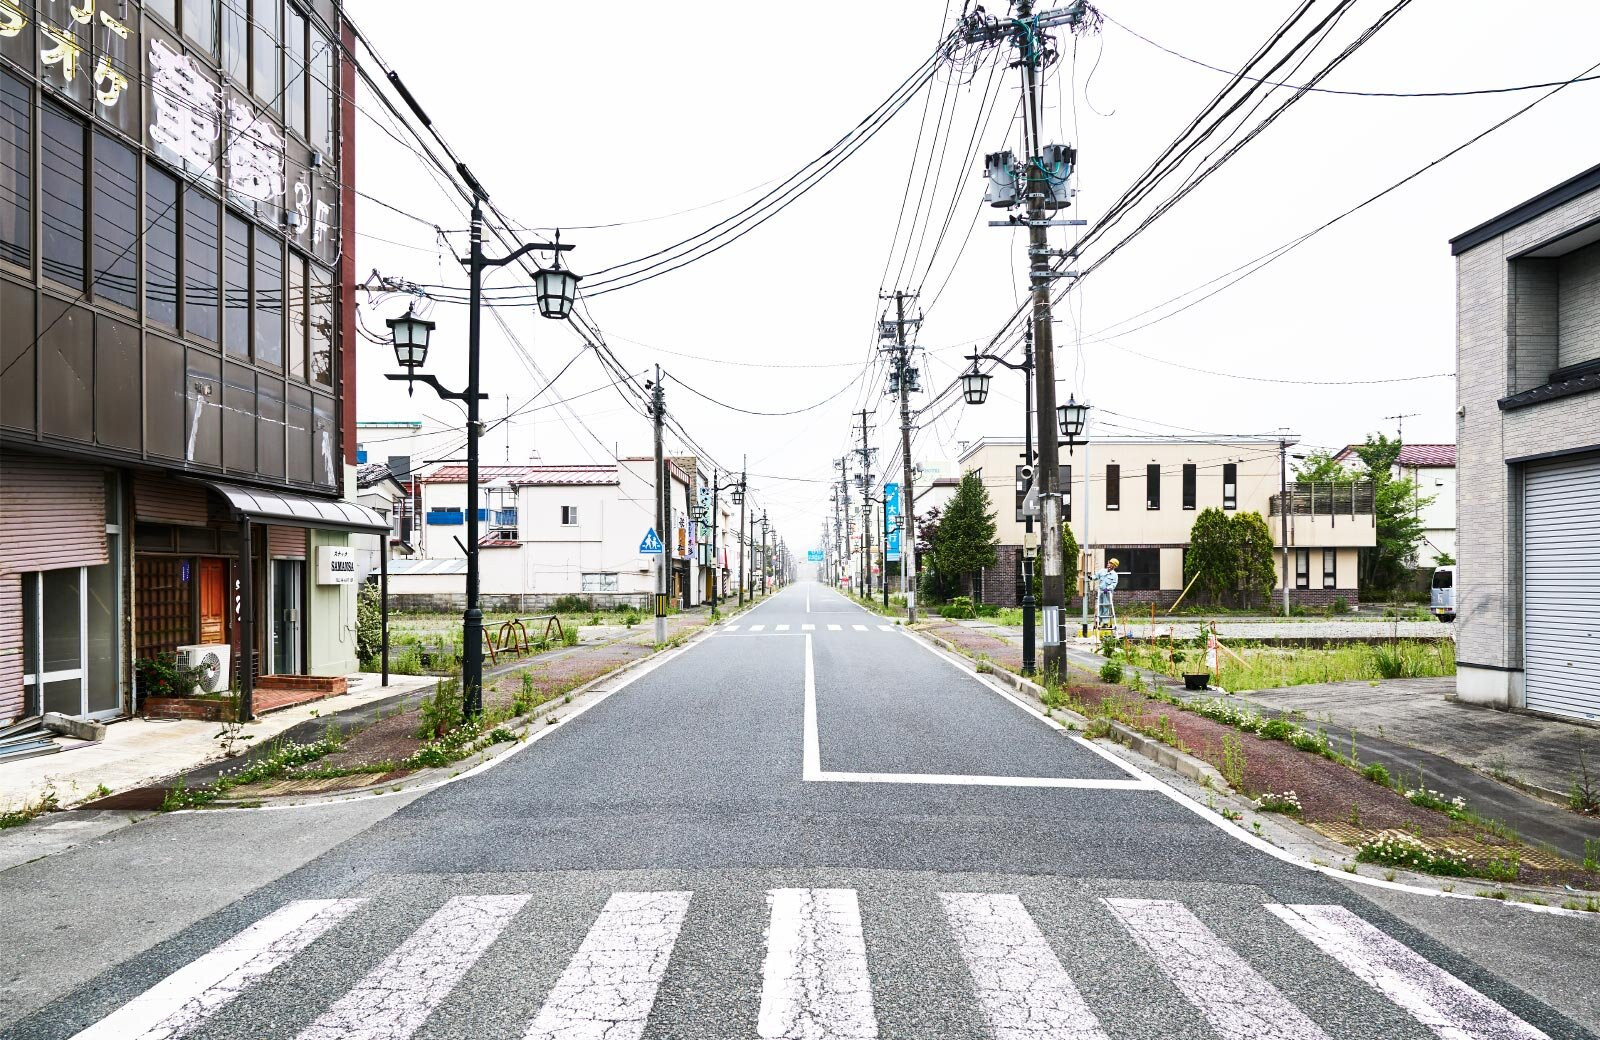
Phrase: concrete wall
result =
(1503, 346)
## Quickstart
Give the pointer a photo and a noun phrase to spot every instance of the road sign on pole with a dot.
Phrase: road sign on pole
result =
(651, 544)
(814, 556)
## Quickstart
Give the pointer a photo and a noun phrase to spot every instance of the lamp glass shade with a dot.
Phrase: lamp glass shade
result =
(411, 335)
(975, 386)
(557, 288)
(1071, 416)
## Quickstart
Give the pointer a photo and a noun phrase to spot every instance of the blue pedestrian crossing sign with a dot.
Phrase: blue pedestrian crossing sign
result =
(651, 544)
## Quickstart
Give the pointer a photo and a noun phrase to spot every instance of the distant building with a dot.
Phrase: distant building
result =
(1528, 426)
(1143, 495)
(1432, 468)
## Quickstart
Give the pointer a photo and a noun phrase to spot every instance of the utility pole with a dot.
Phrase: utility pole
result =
(908, 490)
(716, 517)
(1283, 514)
(866, 510)
(663, 490)
(744, 547)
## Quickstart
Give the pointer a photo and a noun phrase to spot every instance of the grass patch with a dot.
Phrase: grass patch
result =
(47, 801)
(1269, 667)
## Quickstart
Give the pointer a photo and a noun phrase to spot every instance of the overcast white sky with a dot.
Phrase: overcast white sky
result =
(579, 114)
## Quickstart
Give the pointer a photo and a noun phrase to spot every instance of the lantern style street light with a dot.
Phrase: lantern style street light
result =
(975, 385)
(1072, 416)
(556, 289)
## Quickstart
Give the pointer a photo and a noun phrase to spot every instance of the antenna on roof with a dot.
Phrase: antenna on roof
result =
(1400, 424)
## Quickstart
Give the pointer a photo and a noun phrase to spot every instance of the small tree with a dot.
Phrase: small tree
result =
(369, 624)
(1320, 466)
(1398, 508)
(965, 542)
(1252, 541)
(1070, 554)
(1212, 561)
(933, 584)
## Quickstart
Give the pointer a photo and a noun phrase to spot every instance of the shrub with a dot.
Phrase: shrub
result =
(631, 618)
(1340, 605)
(569, 635)
(960, 607)
(160, 677)
(369, 622)
(570, 604)
(987, 610)
(409, 662)
(441, 712)
(1111, 672)
(1376, 773)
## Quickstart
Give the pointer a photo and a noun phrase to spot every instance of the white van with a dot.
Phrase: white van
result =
(1442, 597)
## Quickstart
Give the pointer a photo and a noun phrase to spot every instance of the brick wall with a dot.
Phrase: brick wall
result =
(999, 584)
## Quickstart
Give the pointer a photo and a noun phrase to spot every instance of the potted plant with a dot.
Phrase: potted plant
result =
(1194, 677)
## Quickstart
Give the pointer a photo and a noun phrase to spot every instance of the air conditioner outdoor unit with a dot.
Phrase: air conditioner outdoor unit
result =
(211, 661)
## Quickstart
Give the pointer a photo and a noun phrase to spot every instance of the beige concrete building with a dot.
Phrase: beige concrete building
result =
(1528, 430)
(1135, 499)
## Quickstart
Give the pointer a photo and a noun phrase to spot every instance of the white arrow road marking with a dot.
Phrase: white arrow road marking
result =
(1428, 993)
(186, 998)
(1023, 990)
(814, 981)
(608, 988)
(1238, 1002)
(394, 1000)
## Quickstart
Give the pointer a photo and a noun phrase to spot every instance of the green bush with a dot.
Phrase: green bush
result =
(160, 677)
(1340, 605)
(369, 622)
(441, 712)
(572, 605)
(960, 607)
(569, 635)
(409, 662)
(987, 610)
(1111, 672)
(1376, 773)
(631, 618)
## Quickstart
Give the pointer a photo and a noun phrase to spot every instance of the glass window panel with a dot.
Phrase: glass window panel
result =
(104, 670)
(236, 286)
(264, 65)
(201, 279)
(161, 246)
(115, 190)
(269, 298)
(167, 9)
(16, 227)
(321, 332)
(200, 23)
(297, 316)
(236, 40)
(63, 170)
(64, 696)
(321, 93)
(294, 75)
(63, 621)
(116, 70)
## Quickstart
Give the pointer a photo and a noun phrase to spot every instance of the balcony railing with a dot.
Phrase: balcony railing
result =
(1327, 498)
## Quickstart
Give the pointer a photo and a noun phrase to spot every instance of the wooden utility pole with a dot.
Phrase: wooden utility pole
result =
(663, 492)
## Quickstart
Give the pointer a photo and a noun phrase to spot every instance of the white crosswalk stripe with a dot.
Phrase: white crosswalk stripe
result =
(885, 628)
(816, 978)
(757, 628)
(808, 628)
(814, 982)
(1023, 990)
(859, 628)
(608, 988)
(1428, 993)
(1237, 1002)
(394, 1000)
(183, 1000)
(833, 628)
(732, 628)
(781, 628)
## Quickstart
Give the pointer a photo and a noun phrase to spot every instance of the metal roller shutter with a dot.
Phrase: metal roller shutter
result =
(1561, 578)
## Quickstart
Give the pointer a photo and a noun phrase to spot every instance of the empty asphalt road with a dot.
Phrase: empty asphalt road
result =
(806, 825)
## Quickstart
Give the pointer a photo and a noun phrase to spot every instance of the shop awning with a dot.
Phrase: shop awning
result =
(277, 507)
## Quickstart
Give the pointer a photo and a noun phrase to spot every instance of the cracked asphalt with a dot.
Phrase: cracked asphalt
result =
(658, 867)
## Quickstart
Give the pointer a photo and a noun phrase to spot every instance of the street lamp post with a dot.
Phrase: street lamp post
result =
(975, 387)
(1073, 417)
(556, 289)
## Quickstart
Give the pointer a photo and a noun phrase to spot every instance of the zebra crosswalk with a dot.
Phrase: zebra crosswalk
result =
(816, 976)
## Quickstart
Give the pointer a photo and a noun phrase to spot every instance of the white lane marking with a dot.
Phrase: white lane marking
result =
(780, 628)
(757, 628)
(1237, 1002)
(808, 628)
(859, 628)
(833, 628)
(183, 1000)
(1022, 988)
(885, 628)
(1428, 993)
(731, 628)
(393, 1001)
(814, 983)
(811, 753)
(608, 988)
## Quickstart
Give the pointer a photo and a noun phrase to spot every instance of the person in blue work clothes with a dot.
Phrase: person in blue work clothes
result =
(1106, 582)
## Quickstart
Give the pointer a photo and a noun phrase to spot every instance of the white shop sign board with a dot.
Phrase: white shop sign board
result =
(336, 565)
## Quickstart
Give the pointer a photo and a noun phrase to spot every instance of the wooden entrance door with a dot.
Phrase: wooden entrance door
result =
(213, 600)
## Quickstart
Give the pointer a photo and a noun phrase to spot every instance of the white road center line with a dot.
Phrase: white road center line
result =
(608, 988)
(1237, 1002)
(757, 628)
(183, 1000)
(1022, 988)
(833, 628)
(394, 1000)
(780, 628)
(814, 982)
(1428, 993)
(859, 628)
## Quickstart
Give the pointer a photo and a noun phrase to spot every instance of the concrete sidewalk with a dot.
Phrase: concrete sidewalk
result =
(139, 751)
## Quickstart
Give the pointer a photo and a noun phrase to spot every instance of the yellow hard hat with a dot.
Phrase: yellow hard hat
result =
(1112, 562)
